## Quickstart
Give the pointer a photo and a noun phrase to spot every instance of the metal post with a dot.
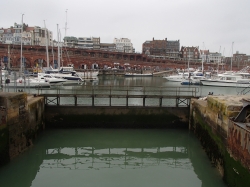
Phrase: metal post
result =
(144, 98)
(127, 98)
(75, 100)
(93, 100)
(57, 100)
(160, 101)
(93, 97)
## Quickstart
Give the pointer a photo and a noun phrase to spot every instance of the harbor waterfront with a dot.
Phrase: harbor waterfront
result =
(211, 123)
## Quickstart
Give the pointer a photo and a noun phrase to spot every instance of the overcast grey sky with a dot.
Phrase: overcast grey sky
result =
(209, 24)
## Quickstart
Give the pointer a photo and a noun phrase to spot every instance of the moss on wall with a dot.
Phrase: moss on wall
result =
(234, 174)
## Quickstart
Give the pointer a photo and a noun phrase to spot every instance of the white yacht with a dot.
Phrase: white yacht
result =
(28, 82)
(64, 73)
(177, 78)
(227, 80)
(193, 80)
(50, 78)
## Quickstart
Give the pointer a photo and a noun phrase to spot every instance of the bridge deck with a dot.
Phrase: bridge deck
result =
(126, 96)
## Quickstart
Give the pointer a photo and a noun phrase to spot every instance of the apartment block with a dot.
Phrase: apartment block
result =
(123, 45)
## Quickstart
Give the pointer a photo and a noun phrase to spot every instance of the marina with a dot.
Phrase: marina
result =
(120, 105)
(122, 101)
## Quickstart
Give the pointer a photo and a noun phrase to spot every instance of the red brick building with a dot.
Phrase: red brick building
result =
(189, 53)
(155, 47)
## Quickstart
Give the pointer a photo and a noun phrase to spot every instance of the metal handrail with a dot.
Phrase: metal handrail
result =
(113, 90)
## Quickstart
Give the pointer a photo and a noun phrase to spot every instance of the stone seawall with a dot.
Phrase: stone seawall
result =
(116, 117)
(211, 121)
(21, 119)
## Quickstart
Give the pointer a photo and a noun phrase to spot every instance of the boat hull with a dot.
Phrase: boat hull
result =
(138, 75)
(241, 84)
(88, 74)
(27, 85)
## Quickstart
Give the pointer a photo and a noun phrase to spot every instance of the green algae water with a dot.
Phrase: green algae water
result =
(111, 158)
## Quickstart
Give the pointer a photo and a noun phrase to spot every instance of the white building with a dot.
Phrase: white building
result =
(204, 55)
(124, 45)
(85, 42)
(215, 57)
(39, 36)
(30, 35)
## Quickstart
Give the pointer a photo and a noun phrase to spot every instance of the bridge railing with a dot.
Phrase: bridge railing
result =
(122, 96)
(126, 90)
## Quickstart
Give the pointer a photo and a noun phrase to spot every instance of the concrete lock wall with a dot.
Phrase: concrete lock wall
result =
(210, 120)
(21, 119)
(116, 117)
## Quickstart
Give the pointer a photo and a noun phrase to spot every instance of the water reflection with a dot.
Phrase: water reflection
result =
(112, 157)
(85, 158)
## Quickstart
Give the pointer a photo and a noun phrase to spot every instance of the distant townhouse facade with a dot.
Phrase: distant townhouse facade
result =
(96, 43)
(241, 59)
(215, 57)
(1, 35)
(7, 36)
(82, 42)
(204, 55)
(123, 45)
(155, 47)
(168, 48)
(85, 43)
(238, 57)
(30, 35)
(191, 53)
(108, 46)
(70, 41)
(40, 36)
(88, 43)
(172, 48)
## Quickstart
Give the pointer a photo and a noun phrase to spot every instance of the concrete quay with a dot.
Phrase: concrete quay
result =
(221, 123)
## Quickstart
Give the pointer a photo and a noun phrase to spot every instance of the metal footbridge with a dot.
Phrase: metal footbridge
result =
(119, 96)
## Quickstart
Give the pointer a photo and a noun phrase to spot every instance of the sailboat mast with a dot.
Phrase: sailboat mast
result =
(58, 48)
(232, 57)
(21, 60)
(47, 52)
(8, 65)
(65, 26)
(60, 36)
(202, 68)
(188, 60)
(53, 58)
(218, 62)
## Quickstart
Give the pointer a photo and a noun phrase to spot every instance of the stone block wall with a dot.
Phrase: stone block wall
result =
(21, 119)
(225, 142)
(239, 142)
